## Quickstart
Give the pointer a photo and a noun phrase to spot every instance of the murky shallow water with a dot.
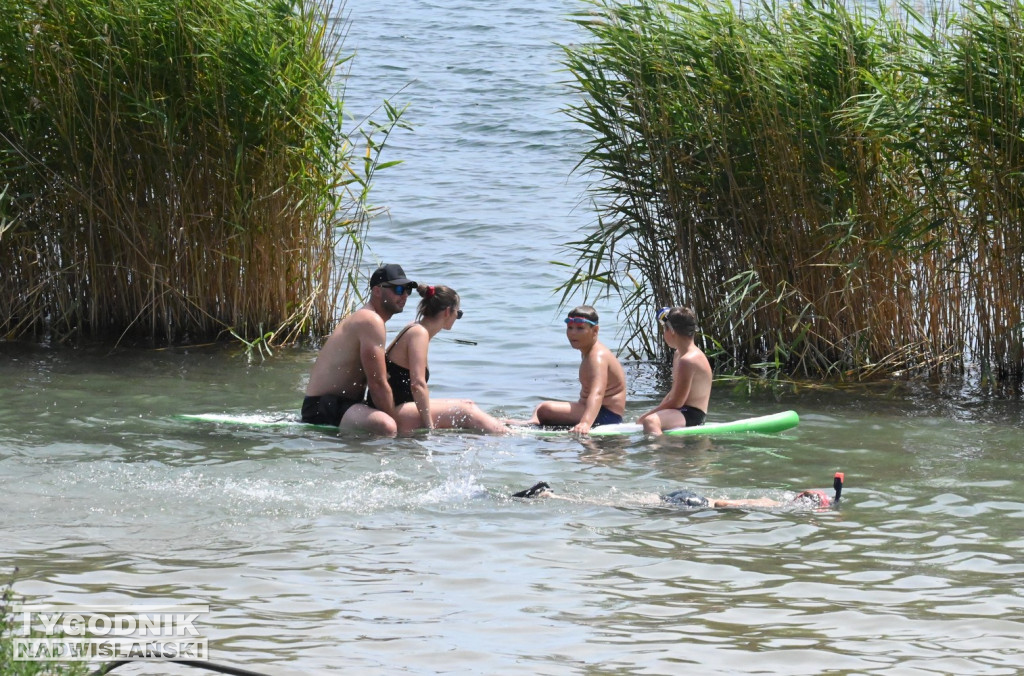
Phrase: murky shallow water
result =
(318, 553)
(325, 554)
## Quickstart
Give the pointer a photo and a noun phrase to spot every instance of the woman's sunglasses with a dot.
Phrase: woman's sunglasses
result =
(458, 314)
(579, 320)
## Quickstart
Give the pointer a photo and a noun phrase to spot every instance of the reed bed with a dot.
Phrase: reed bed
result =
(836, 192)
(177, 171)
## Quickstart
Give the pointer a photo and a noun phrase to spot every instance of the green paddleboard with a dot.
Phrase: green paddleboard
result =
(764, 424)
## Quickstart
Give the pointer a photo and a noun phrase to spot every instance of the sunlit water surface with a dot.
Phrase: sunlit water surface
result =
(325, 554)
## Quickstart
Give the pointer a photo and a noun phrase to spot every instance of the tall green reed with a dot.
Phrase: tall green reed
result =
(177, 170)
(792, 174)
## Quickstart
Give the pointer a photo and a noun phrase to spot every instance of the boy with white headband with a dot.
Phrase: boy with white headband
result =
(602, 380)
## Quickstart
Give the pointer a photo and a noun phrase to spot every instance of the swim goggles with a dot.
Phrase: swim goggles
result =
(579, 320)
(660, 314)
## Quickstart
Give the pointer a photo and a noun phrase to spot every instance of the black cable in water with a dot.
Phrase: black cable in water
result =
(201, 664)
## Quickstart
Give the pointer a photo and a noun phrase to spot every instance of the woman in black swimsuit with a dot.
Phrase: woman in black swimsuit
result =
(406, 360)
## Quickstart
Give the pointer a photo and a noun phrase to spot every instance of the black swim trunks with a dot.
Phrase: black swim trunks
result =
(606, 417)
(694, 416)
(686, 498)
(326, 409)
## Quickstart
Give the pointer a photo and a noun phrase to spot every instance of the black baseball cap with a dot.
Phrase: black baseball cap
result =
(393, 274)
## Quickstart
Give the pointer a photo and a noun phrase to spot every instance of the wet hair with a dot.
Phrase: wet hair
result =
(436, 299)
(814, 498)
(682, 320)
(584, 311)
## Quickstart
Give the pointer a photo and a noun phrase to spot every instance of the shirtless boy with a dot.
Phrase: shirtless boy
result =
(352, 359)
(602, 380)
(686, 404)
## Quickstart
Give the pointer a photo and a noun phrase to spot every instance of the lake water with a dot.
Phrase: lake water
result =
(320, 554)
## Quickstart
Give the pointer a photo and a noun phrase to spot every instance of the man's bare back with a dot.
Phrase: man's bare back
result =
(338, 368)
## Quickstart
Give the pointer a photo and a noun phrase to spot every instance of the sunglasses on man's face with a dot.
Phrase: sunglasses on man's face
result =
(399, 289)
(579, 320)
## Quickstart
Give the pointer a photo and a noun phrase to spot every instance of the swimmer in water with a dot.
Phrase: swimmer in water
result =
(813, 499)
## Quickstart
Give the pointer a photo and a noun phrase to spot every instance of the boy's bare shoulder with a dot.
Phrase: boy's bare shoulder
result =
(606, 353)
(693, 358)
(600, 354)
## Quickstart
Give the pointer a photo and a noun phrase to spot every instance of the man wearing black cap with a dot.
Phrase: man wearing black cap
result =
(352, 359)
